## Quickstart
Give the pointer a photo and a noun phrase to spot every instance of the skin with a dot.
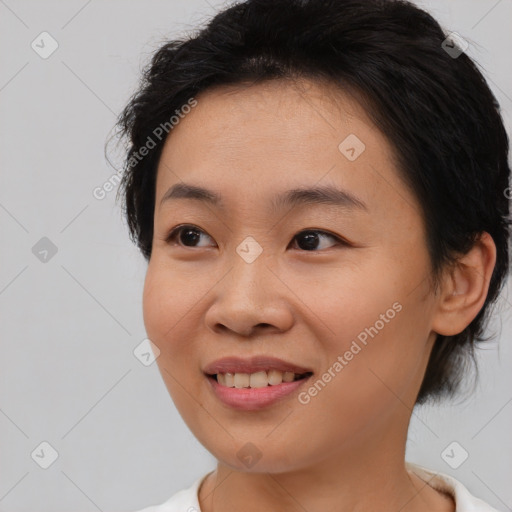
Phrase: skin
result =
(345, 449)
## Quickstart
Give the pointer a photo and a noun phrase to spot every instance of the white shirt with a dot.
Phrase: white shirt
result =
(187, 500)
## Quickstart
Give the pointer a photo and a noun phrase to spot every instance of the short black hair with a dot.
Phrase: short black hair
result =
(433, 106)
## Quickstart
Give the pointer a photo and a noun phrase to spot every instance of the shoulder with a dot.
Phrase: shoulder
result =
(464, 500)
(185, 500)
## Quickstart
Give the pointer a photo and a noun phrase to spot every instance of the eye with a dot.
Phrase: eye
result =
(309, 239)
(190, 235)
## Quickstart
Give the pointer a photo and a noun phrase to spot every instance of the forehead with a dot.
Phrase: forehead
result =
(286, 109)
(257, 140)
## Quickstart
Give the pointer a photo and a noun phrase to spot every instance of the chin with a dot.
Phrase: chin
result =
(260, 456)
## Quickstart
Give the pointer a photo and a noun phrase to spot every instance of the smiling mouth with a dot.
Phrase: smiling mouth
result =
(259, 379)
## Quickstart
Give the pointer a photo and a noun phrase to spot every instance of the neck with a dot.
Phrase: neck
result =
(363, 475)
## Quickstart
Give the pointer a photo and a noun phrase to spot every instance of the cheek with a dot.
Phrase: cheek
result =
(167, 306)
(348, 302)
(168, 312)
(378, 330)
(168, 298)
(173, 311)
(154, 303)
(384, 362)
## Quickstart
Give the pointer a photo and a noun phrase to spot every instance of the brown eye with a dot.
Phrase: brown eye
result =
(187, 236)
(310, 239)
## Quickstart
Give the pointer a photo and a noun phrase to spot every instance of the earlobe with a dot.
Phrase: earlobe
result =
(464, 288)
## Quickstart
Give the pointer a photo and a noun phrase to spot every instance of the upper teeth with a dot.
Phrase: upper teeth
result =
(254, 380)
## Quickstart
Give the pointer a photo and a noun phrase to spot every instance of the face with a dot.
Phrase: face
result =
(338, 287)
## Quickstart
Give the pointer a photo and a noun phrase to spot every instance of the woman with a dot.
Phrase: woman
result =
(319, 188)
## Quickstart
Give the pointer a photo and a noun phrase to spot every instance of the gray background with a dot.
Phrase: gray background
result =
(69, 325)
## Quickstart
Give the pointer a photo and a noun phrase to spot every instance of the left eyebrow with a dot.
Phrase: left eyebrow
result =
(326, 194)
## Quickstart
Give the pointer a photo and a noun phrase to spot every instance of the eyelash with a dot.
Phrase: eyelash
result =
(178, 229)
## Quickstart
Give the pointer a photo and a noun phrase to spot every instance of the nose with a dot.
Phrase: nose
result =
(249, 299)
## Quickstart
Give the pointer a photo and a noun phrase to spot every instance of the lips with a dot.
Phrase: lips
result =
(231, 381)
(252, 365)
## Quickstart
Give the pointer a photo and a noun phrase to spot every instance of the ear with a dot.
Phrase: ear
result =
(464, 288)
